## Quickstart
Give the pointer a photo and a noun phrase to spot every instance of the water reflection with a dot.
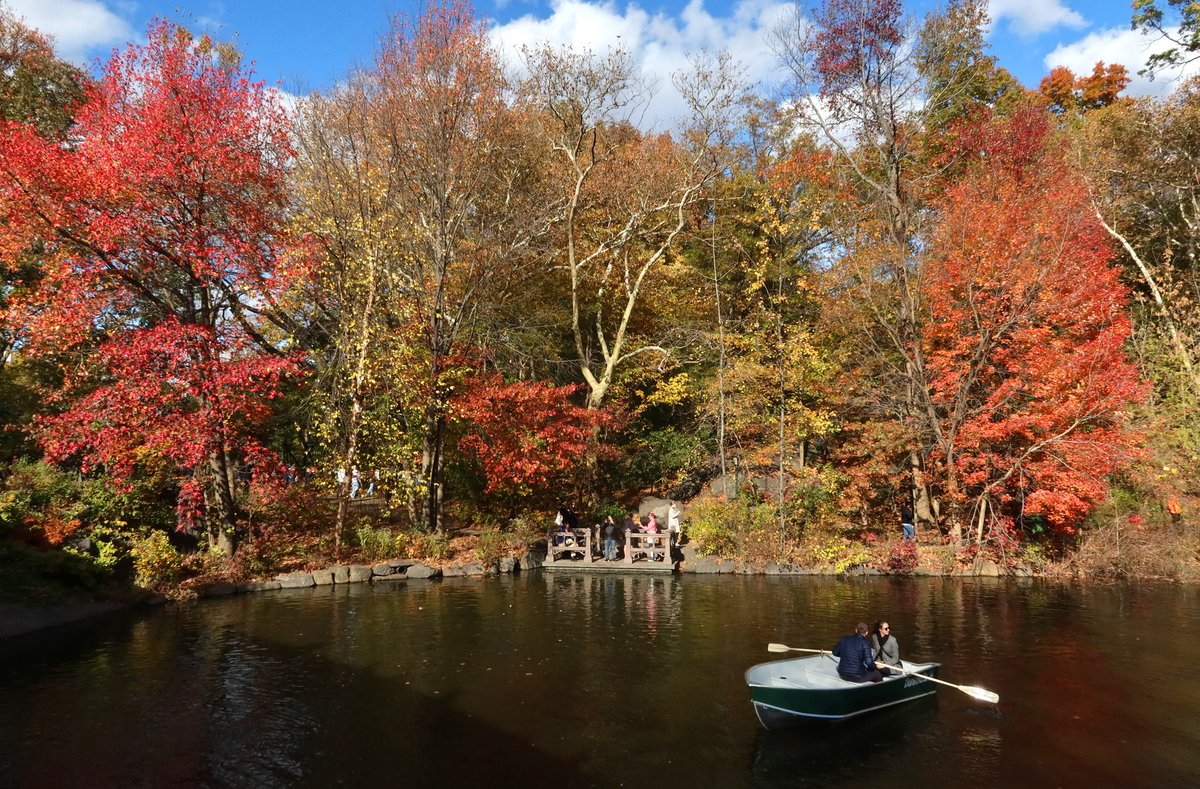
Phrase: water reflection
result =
(600, 680)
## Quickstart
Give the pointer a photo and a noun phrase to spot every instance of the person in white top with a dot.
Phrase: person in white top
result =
(674, 526)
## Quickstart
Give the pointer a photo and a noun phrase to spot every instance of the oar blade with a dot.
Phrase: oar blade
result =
(778, 648)
(981, 694)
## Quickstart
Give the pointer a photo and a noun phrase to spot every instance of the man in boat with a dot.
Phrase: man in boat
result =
(857, 663)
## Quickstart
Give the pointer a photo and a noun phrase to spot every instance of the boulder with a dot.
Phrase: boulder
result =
(532, 560)
(382, 568)
(323, 577)
(297, 580)
(657, 506)
(341, 575)
(260, 586)
(218, 590)
(508, 565)
(986, 568)
(786, 569)
(359, 573)
(707, 565)
(421, 571)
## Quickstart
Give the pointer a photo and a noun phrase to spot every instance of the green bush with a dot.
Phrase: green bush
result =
(436, 546)
(375, 544)
(840, 553)
(739, 528)
(492, 547)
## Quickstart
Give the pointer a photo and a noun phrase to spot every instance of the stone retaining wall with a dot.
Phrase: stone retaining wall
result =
(394, 570)
(389, 571)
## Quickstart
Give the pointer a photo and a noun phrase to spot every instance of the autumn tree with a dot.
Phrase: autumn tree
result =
(36, 87)
(425, 201)
(1140, 163)
(1067, 94)
(525, 437)
(625, 197)
(1028, 375)
(766, 242)
(158, 228)
(42, 91)
(1175, 21)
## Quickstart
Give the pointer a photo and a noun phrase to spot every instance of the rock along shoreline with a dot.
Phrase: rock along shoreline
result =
(16, 620)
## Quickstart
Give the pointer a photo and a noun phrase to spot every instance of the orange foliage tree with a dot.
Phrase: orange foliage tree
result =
(1029, 381)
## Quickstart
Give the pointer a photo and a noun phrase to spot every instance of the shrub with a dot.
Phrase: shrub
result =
(746, 528)
(840, 553)
(903, 558)
(156, 563)
(435, 546)
(492, 547)
(375, 543)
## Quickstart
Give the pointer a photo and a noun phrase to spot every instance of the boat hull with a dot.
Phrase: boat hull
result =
(779, 707)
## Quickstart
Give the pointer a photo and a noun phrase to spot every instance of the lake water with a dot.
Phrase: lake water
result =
(586, 680)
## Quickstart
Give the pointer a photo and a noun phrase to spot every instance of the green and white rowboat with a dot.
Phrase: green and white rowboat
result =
(786, 692)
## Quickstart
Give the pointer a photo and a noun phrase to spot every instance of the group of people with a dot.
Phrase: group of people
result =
(612, 535)
(869, 654)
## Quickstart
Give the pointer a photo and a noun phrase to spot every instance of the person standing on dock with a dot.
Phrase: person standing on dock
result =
(610, 539)
(857, 663)
(674, 525)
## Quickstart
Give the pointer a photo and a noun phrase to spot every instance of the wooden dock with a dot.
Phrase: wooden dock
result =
(640, 553)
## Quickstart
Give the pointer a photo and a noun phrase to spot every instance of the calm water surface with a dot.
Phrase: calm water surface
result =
(602, 681)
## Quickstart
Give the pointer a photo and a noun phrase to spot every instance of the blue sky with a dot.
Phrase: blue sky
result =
(305, 45)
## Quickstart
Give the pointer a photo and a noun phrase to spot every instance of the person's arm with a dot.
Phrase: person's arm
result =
(868, 660)
(837, 650)
(891, 652)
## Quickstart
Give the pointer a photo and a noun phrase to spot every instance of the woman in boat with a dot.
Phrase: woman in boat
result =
(885, 648)
(856, 664)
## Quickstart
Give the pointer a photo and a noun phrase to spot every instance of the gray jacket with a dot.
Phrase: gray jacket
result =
(891, 650)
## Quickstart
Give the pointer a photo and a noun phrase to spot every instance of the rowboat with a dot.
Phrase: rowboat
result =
(786, 692)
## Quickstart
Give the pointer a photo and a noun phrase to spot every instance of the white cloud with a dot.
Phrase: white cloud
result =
(79, 27)
(1031, 17)
(1118, 45)
(661, 44)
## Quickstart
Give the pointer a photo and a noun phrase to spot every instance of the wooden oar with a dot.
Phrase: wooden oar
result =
(970, 690)
(786, 648)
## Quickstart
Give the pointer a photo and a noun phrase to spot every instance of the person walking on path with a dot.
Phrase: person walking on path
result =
(907, 528)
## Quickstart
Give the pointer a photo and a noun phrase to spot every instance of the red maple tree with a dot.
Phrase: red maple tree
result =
(525, 435)
(159, 232)
(1025, 342)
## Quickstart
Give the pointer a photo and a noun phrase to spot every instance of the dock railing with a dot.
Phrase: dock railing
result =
(570, 542)
(643, 547)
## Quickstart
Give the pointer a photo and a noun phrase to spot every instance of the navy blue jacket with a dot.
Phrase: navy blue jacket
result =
(856, 656)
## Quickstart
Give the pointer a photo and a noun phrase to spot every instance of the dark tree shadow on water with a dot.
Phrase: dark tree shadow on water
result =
(182, 701)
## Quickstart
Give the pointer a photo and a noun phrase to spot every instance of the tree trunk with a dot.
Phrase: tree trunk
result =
(925, 509)
(222, 520)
